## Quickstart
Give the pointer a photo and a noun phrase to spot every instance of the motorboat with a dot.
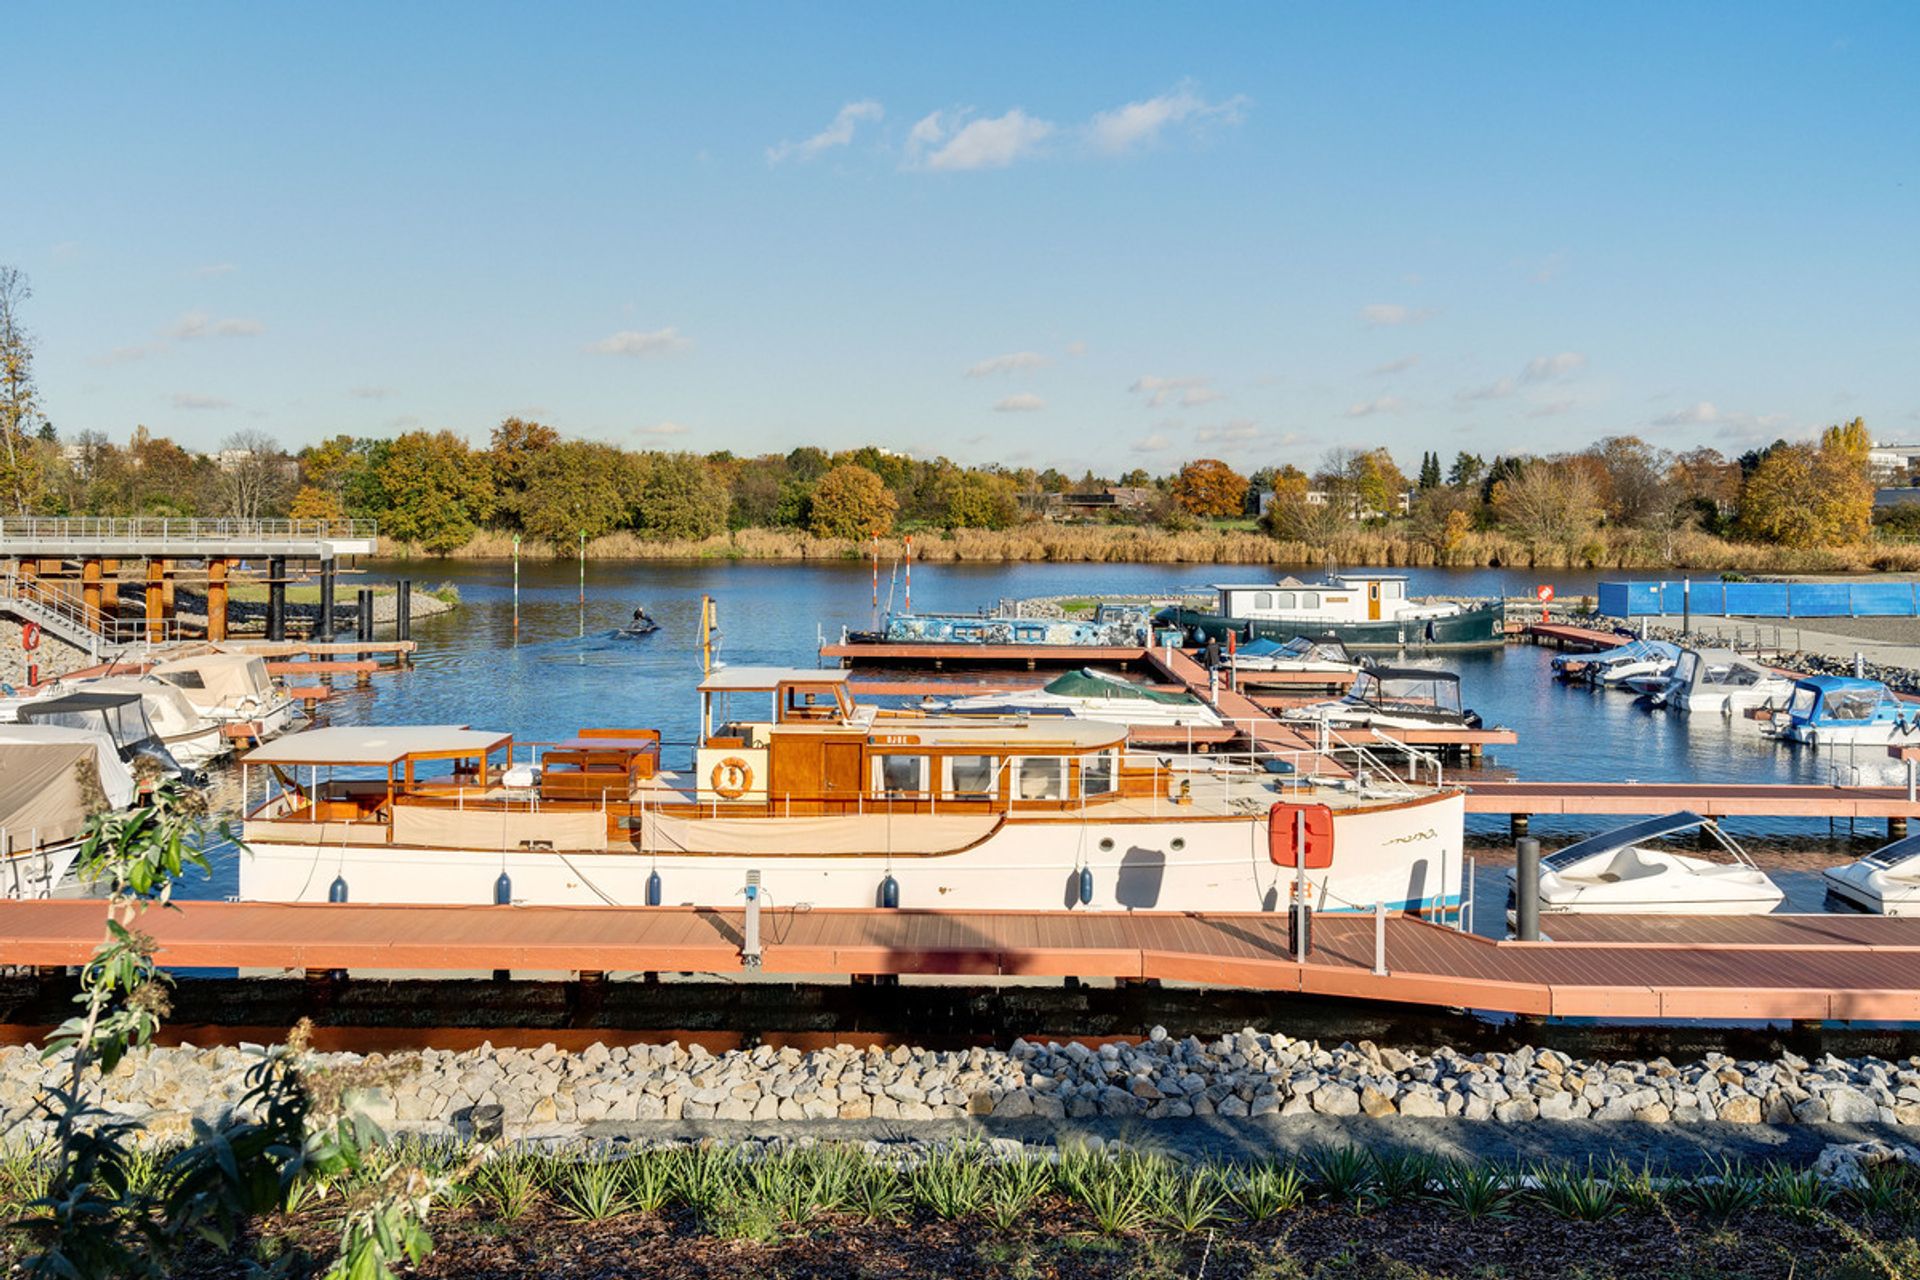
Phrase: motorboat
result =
(231, 688)
(1361, 610)
(1090, 695)
(1620, 872)
(120, 716)
(1393, 698)
(192, 739)
(1302, 654)
(1720, 682)
(1886, 881)
(1611, 668)
(52, 780)
(825, 802)
(1830, 710)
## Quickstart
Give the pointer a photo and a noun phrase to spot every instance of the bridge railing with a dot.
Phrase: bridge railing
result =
(78, 622)
(107, 530)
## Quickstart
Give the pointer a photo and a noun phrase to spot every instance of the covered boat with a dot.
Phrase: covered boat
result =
(1302, 654)
(1620, 872)
(52, 780)
(1361, 610)
(190, 738)
(1394, 698)
(120, 717)
(1829, 710)
(831, 804)
(1090, 695)
(231, 688)
(1123, 625)
(1637, 660)
(1886, 881)
(1720, 682)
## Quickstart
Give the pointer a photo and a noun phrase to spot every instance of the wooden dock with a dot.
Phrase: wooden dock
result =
(1564, 635)
(1710, 799)
(942, 656)
(1760, 967)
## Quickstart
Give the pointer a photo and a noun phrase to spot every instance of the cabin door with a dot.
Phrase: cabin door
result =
(840, 775)
(1373, 601)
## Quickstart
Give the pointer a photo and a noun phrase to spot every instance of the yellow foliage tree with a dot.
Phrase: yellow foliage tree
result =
(851, 502)
(1209, 487)
(315, 504)
(1812, 496)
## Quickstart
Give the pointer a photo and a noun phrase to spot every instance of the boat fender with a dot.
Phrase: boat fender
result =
(732, 778)
(890, 893)
(653, 889)
(29, 636)
(503, 891)
(337, 891)
(1086, 886)
(1319, 831)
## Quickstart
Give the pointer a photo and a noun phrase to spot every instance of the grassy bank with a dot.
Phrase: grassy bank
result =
(1340, 1213)
(1363, 548)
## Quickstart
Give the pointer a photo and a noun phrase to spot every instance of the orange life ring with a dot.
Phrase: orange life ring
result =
(29, 636)
(738, 775)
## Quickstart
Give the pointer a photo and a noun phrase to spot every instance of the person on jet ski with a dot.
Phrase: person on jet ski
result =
(640, 618)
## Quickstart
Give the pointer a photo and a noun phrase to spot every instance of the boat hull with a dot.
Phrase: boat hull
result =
(1403, 854)
(33, 873)
(1479, 627)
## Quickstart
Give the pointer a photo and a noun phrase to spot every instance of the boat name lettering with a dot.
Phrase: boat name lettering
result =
(1411, 836)
(895, 739)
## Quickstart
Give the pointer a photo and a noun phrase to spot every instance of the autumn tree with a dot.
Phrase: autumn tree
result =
(20, 415)
(1803, 495)
(850, 502)
(310, 503)
(1442, 518)
(1544, 504)
(1299, 513)
(162, 478)
(254, 475)
(681, 498)
(515, 446)
(976, 500)
(434, 490)
(1631, 474)
(574, 488)
(1208, 487)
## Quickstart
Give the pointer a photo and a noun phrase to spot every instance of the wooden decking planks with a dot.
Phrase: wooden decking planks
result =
(1714, 800)
(1748, 967)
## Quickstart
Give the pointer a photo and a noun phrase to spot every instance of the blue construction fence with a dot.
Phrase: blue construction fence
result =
(1762, 599)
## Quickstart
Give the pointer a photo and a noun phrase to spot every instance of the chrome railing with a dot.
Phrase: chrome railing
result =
(122, 529)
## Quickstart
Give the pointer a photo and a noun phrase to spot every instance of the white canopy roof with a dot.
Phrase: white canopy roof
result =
(766, 679)
(376, 744)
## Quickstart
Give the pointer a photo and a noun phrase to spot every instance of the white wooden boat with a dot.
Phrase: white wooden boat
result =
(1886, 881)
(231, 688)
(1620, 872)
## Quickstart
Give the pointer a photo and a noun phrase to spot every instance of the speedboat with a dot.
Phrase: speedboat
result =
(1089, 695)
(1886, 881)
(1825, 710)
(231, 688)
(52, 780)
(1639, 660)
(824, 802)
(1393, 698)
(1720, 682)
(1620, 872)
(191, 738)
(1302, 654)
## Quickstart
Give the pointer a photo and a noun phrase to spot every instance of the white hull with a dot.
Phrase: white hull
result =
(1874, 890)
(1373, 720)
(1638, 881)
(200, 747)
(1406, 855)
(29, 874)
(1825, 735)
(1727, 703)
(273, 721)
(1127, 711)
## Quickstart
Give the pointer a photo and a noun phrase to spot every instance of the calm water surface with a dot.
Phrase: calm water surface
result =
(566, 671)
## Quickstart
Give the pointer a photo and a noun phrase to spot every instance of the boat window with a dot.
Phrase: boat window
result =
(185, 679)
(1392, 590)
(1097, 774)
(1263, 599)
(971, 777)
(902, 775)
(1041, 778)
(1309, 599)
(1852, 704)
(1284, 599)
(1804, 700)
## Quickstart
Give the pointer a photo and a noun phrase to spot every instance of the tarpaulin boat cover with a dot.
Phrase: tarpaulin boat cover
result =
(111, 773)
(48, 790)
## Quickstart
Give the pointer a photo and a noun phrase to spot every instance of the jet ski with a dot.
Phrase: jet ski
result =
(641, 625)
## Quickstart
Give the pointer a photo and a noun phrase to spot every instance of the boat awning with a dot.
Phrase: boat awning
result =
(767, 679)
(1620, 837)
(384, 745)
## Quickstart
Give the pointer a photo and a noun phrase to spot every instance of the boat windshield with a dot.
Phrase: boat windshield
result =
(1436, 689)
(1853, 703)
(1734, 675)
(1805, 699)
(1620, 837)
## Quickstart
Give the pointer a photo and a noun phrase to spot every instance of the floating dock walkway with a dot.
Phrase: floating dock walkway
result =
(1850, 968)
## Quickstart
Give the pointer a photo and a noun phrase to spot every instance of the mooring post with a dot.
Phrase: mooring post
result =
(1527, 890)
(1379, 939)
(1468, 896)
(1300, 914)
(1896, 828)
(403, 609)
(276, 598)
(323, 626)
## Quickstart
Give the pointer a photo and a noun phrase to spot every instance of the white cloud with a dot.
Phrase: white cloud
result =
(198, 324)
(188, 400)
(1550, 368)
(213, 269)
(1239, 431)
(127, 355)
(1381, 404)
(1387, 315)
(1076, 348)
(1551, 409)
(837, 134)
(1124, 128)
(1499, 389)
(632, 342)
(1190, 390)
(1023, 402)
(1151, 444)
(1401, 365)
(371, 393)
(1698, 414)
(1013, 362)
(941, 141)
(662, 429)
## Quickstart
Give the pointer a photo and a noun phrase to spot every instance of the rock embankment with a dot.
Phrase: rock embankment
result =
(550, 1093)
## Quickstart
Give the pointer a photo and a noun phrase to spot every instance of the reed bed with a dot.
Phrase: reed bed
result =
(1389, 547)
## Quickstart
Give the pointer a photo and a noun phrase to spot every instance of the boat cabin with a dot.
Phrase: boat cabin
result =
(221, 684)
(1835, 708)
(1412, 688)
(122, 716)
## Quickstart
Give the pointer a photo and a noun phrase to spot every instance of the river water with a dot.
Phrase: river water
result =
(565, 671)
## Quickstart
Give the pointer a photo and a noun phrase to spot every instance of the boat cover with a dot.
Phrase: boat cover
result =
(1088, 683)
(48, 790)
(1620, 837)
(121, 716)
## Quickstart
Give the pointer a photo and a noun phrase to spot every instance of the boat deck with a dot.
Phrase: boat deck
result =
(1758, 967)
(1711, 799)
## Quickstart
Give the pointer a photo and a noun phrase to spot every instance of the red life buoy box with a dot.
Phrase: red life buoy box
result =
(29, 636)
(1281, 822)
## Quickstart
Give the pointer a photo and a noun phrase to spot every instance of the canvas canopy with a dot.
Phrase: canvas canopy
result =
(166, 705)
(383, 745)
(1088, 683)
(121, 716)
(1408, 684)
(219, 680)
(48, 790)
(116, 780)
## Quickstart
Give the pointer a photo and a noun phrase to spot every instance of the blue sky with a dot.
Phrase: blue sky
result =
(1064, 234)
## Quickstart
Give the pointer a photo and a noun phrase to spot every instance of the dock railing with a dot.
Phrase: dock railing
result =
(95, 533)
